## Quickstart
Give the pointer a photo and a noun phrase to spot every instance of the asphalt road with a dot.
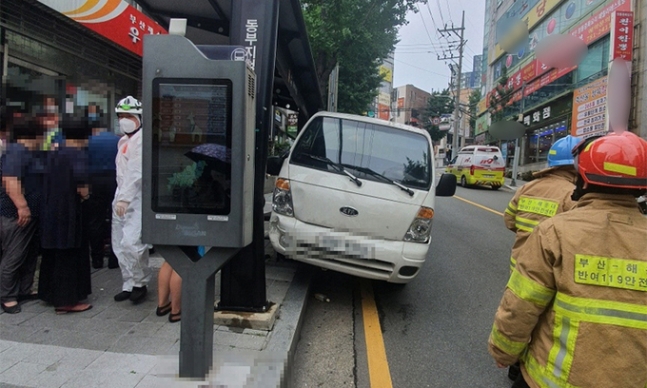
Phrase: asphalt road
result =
(435, 329)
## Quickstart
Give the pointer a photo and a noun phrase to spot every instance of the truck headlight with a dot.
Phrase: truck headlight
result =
(282, 198)
(420, 228)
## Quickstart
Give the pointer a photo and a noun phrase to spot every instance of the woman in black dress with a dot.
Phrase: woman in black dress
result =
(65, 267)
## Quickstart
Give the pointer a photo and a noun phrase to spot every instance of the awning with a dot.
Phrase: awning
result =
(208, 22)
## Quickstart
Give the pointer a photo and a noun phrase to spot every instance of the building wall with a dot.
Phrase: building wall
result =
(640, 67)
(413, 98)
(560, 124)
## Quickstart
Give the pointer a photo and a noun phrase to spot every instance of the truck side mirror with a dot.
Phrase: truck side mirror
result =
(446, 186)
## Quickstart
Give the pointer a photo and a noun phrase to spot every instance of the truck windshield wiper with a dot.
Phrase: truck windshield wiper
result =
(367, 170)
(336, 166)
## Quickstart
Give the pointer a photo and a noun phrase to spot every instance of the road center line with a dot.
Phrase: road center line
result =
(378, 366)
(478, 205)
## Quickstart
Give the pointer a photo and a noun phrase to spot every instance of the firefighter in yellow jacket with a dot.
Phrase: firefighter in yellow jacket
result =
(545, 196)
(574, 311)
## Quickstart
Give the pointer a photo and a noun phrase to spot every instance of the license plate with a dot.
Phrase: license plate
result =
(488, 176)
(346, 246)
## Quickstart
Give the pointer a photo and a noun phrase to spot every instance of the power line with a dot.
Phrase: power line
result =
(432, 15)
(425, 24)
(420, 68)
(442, 19)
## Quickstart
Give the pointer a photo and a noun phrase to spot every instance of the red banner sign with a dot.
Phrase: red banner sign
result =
(113, 19)
(622, 31)
(599, 24)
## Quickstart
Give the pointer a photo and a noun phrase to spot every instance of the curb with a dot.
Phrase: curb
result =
(286, 336)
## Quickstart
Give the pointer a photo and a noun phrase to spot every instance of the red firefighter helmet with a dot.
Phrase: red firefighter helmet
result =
(614, 160)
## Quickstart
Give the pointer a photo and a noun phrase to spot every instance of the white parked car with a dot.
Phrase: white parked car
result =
(357, 195)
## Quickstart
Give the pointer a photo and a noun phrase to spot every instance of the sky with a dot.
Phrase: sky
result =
(416, 55)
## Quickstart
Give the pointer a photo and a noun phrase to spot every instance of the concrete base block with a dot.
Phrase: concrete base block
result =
(256, 321)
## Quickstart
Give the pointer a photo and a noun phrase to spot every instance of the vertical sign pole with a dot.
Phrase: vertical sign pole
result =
(254, 24)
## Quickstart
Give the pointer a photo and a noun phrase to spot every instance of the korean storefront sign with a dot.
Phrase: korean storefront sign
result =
(599, 24)
(555, 109)
(622, 30)
(481, 124)
(589, 109)
(113, 19)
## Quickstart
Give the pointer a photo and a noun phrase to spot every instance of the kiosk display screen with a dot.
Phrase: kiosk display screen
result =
(191, 146)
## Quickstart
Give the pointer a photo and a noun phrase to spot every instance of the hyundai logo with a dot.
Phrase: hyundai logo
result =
(348, 211)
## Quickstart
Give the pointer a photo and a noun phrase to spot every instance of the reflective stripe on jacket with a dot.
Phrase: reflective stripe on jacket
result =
(575, 308)
(538, 200)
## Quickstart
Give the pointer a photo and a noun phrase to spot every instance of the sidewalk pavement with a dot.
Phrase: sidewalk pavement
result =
(518, 184)
(123, 345)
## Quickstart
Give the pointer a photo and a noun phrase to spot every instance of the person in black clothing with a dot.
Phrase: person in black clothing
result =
(21, 169)
(65, 266)
(102, 151)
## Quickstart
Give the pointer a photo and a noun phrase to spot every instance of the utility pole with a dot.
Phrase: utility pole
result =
(455, 30)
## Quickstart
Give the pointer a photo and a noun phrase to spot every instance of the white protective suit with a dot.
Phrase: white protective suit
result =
(127, 230)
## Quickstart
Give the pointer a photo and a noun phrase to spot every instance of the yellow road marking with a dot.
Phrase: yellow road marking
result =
(478, 205)
(378, 366)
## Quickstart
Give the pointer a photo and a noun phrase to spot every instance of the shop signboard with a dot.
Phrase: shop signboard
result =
(400, 102)
(384, 98)
(599, 24)
(554, 109)
(383, 112)
(481, 124)
(589, 109)
(115, 20)
(622, 29)
(292, 123)
(482, 105)
(386, 74)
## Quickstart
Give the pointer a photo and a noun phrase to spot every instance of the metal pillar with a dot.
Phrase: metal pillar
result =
(254, 24)
(515, 159)
(198, 293)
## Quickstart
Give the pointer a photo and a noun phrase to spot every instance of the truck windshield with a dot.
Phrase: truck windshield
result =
(399, 155)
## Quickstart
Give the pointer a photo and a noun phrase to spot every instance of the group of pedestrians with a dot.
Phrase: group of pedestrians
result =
(574, 311)
(67, 185)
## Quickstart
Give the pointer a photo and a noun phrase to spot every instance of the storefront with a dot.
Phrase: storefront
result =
(48, 53)
(545, 124)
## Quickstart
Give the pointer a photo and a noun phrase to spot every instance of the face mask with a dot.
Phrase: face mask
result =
(93, 116)
(51, 109)
(127, 126)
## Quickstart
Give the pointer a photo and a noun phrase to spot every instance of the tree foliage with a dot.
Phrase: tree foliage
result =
(500, 99)
(440, 103)
(357, 34)
(475, 97)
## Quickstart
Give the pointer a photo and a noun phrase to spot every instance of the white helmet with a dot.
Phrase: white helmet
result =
(129, 105)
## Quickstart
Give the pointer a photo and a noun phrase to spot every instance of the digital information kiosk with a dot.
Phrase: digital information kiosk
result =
(198, 173)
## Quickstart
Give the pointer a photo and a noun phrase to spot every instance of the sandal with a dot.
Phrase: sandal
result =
(15, 309)
(162, 311)
(77, 308)
(174, 317)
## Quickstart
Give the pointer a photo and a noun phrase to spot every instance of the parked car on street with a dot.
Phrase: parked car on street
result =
(357, 195)
(478, 165)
